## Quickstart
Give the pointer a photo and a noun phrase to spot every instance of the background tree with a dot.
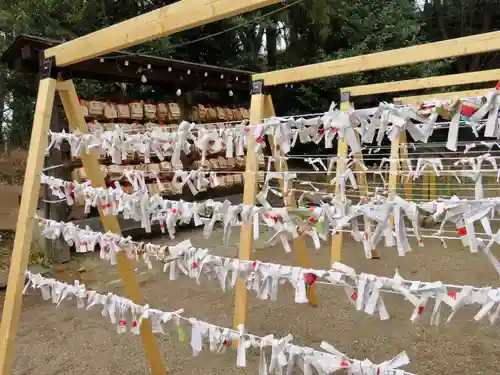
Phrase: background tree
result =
(307, 32)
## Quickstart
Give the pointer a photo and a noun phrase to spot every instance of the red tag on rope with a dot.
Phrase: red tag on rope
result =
(354, 296)
(310, 278)
(462, 231)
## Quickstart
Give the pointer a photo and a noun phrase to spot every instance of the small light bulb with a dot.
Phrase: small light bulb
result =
(101, 60)
(178, 92)
(231, 93)
(237, 78)
(222, 76)
(206, 74)
(169, 69)
(149, 66)
(143, 79)
(126, 62)
(189, 71)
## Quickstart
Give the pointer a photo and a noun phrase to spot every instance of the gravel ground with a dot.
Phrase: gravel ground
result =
(66, 340)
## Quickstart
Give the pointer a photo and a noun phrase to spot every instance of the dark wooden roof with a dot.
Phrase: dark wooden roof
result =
(25, 52)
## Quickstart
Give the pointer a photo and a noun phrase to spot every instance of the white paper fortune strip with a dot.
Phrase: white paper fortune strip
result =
(387, 119)
(284, 356)
(264, 278)
(317, 222)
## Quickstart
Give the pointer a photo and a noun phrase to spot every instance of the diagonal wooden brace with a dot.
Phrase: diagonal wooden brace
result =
(90, 161)
(25, 222)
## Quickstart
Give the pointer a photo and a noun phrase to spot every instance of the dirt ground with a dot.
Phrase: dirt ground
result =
(10, 206)
(67, 340)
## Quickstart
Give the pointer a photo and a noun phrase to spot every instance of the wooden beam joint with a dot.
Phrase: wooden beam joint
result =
(259, 88)
(345, 96)
(49, 69)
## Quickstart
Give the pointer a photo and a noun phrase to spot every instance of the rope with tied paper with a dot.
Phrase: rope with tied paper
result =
(284, 355)
(387, 119)
(318, 222)
(363, 289)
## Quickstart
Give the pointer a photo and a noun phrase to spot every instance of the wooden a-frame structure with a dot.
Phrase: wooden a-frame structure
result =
(415, 99)
(165, 21)
(430, 178)
(492, 75)
(162, 22)
(261, 107)
(484, 76)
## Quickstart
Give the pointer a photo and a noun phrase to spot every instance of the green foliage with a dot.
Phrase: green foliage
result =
(308, 32)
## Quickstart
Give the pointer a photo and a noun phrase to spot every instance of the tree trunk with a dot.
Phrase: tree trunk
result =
(438, 7)
(271, 45)
(2, 108)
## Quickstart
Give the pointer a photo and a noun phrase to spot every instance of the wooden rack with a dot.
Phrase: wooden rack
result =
(162, 22)
(261, 107)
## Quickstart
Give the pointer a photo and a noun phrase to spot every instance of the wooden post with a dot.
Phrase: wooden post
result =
(407, 182)
(449, 182)
(394, 167)
(337, 239)
(25, 222)
(336, 246)
(90, 161)
(257, 112)
(363, 191)
(299, 244)
(393, 170)
(426, 186)
(432, 185)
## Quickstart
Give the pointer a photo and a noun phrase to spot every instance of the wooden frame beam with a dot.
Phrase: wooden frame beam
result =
(424, 83)
(403, 56)
(442, 96)
(24, 232)
(258, 110)
(168, 20)
(125, 266)
(299, 243)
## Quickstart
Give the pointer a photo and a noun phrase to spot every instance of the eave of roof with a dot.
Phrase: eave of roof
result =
(232, 78)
